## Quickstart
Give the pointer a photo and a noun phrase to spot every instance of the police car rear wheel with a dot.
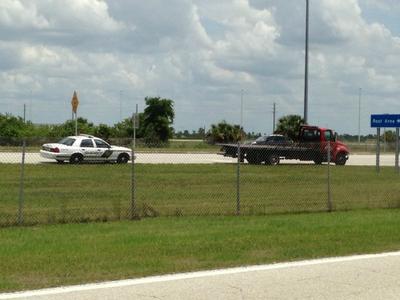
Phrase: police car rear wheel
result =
(76, 158)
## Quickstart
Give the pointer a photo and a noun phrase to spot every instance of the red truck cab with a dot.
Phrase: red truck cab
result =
(315, 136)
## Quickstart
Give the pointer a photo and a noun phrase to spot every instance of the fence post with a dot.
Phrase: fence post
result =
(133, 209)
(21, 186)
(133, 198)
(329, 178)
(238, 182)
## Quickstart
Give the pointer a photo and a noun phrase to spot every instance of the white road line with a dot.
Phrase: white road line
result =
(180, 276)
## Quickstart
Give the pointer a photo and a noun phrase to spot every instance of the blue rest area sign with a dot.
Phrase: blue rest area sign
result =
(386, 120)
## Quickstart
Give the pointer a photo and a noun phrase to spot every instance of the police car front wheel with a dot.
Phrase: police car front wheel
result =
(123, 158)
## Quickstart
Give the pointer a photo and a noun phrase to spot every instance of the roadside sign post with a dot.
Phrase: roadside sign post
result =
(75, 103)
(386, 121)
(378, 148)
(397, 151)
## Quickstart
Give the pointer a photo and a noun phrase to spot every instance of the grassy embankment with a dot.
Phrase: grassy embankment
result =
(80, 193)
(45, 256)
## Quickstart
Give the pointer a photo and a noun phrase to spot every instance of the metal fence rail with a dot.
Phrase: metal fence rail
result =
(165, 182)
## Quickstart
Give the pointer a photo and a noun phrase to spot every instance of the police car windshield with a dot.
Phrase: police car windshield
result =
(67, 141)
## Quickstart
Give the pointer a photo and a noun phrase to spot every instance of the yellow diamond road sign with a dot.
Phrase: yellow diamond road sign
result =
(75, 102)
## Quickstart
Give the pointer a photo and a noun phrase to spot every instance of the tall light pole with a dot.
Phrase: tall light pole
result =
(241, 109)
(273, 117)
(306, 68)
(359, 114)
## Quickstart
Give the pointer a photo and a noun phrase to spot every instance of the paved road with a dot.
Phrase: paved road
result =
(145, 158)
(355, 277)
(193, 158)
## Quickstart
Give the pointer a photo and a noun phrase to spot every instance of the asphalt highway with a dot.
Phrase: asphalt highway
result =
(353, 277)
(195, 158)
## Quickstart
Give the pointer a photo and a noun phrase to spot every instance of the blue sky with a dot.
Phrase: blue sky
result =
(201, 54)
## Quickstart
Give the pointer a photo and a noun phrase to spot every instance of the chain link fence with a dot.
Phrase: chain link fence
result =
(185, 181)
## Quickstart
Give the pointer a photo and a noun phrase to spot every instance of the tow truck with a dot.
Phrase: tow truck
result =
(312, 145)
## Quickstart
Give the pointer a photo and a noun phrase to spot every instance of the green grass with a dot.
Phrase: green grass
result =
(45, 256)
(102, 192)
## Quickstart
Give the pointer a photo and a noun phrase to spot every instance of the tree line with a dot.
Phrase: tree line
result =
(155, 127)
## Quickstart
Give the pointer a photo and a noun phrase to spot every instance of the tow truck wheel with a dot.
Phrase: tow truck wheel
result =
(340, 159)
(253, 159)
(318, 160)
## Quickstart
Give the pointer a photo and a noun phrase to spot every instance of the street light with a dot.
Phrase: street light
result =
(273, 117)
(306, 68)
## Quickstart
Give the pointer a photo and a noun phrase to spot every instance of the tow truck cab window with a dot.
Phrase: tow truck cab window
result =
(101, 144)
(311, 135)
(329, 136)
(87, 143)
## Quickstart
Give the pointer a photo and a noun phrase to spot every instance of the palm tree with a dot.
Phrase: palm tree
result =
(225, 133)
(289, 126)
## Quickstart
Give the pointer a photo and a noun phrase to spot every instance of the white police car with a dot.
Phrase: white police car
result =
(80, 148)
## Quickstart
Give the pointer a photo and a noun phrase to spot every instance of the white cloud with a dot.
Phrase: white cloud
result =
(19, 14)
(57, 15)
(201, 53)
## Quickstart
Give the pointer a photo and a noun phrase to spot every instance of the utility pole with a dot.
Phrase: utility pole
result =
(359, 114)
(24, 112)
(306, 67)
(30, 108)
(241, 108)
(273, 117)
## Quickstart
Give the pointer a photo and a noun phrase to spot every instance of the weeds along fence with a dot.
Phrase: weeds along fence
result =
(182, 181)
